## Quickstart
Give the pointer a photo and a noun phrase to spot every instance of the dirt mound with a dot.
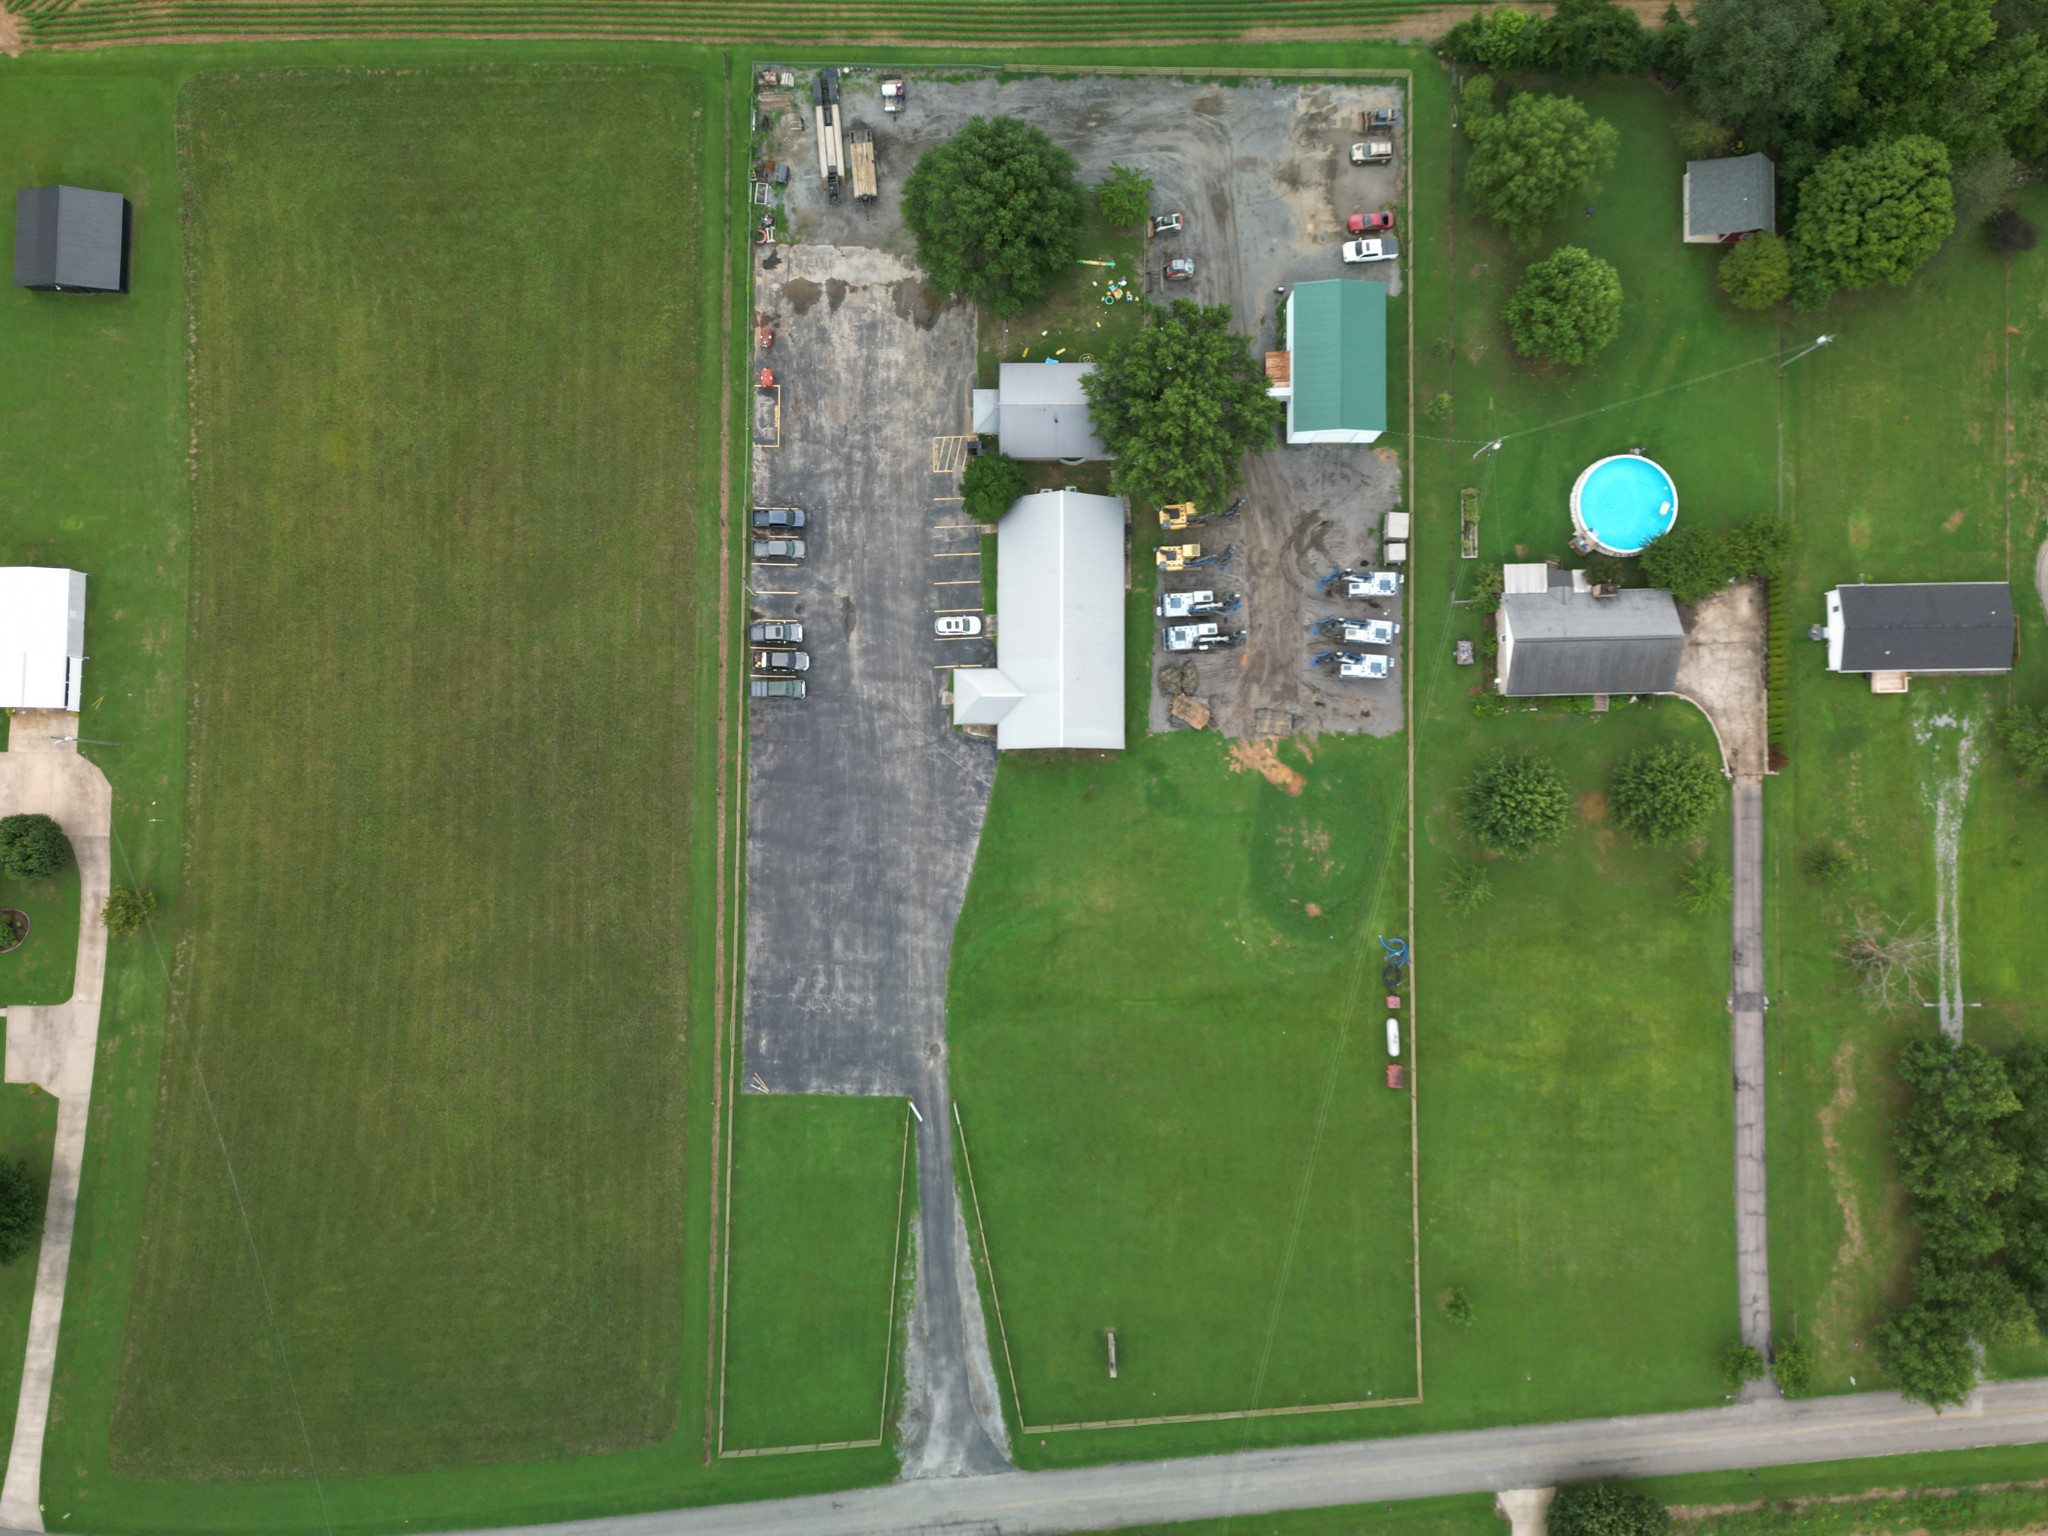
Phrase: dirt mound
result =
(1260, 757)
(1592, 806)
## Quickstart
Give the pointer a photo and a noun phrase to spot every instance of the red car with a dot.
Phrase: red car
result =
(1371, 223)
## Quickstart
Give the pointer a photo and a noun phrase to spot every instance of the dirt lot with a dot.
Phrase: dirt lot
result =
(1261, 172)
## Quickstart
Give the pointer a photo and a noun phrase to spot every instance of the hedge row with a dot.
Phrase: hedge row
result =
(1777, 664)
(56, 21)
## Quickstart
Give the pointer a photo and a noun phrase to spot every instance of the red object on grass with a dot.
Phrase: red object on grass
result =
(1394, 1076)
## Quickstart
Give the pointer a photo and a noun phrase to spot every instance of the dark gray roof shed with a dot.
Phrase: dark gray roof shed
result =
(1732, 196)
(71, 239)
(1928, 626)
(1567, 642)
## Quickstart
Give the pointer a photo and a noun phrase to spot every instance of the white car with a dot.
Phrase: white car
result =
(1385, 249)
(956, 626)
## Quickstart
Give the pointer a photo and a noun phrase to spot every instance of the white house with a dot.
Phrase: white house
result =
(42, 637)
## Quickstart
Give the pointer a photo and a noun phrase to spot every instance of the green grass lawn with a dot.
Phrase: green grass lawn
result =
(1167, 1047)
(820, 1208)
(440, 894)
(1079, 316)
(1888, 481)
(44, 968)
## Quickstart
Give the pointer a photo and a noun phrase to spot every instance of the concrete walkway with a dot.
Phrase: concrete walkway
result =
(1773, 1433)
(54, 1049)
(1722, 671)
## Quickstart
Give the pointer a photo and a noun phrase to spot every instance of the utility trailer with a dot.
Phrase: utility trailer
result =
(860, 151)
(831, 138)
(1372, 668)
(895, 96)
(1373, 584)
(1189, 637)
(1186, 605)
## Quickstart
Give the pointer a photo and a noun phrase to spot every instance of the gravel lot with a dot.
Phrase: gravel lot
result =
(1262, 174)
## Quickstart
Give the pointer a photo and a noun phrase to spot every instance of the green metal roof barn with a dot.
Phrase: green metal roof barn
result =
(1336, 371)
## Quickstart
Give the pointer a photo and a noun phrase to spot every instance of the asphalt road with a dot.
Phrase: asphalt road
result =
(1752, 1243)
(1755, 1434)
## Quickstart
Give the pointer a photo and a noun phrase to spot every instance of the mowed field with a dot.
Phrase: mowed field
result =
(417, 1197)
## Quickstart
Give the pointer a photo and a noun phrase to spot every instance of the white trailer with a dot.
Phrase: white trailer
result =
(1181, 605)
(1371, 668)
(1373, 584)
(1189, 637)
(1370, 632)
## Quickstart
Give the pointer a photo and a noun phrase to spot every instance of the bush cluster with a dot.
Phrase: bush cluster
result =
(1694, 561)
(1664, 795)
(1516, 803)
(1972, 1153)
(991, 485)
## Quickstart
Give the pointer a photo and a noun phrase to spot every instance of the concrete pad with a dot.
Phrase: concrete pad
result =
(1527, 1510)
(1722, 671)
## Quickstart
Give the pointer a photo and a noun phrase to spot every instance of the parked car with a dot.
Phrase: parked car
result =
(955, 626)
(1168, 224)
(1373, 152)
(779, 517)
(778, 549)
(1378, 120)
(776, 632)
(1371, 250)
(1180, 269)
(1371, 223)
(782, 661)
(776, 688)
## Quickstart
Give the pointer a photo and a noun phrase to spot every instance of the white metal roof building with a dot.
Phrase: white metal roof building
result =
(1042, 412)
(42, 637)
(1058, 680)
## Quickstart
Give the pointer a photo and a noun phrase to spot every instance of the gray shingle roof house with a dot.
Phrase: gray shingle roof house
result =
(1559, 636)
(1896, 630)
(70, 240)
(1042, 413)
(1727, 199)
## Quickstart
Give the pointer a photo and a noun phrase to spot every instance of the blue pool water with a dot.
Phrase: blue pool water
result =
(1625, 502)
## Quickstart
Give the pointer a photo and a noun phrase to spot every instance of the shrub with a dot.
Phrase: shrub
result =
(1757, 272)
(1458, 1306)
(1704, 888)
(1124, 196)
(1486, 587)
(1516, 803)
(1567, 308)
(2010, 231)
(1740, 1365)
(128, 910)
(991, 486)
(10, 930)
(1488, 703)
(1793, 1367)
(1606, 1509)
(1701, 138)
(1665, 794)
(21, 1208)
(1824, 864)
(32, 846)
(1466, 888)
(1439, 407)
(2024, 734)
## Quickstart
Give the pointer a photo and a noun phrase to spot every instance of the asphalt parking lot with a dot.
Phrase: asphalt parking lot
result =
(864, 803)
(1261, 171)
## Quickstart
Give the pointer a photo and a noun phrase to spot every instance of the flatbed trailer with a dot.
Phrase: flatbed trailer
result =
(831, 142)
(860, 160)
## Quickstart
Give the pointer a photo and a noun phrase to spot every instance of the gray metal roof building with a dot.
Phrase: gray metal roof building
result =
(1731, 197)
(1568, 639)
(1921, 626)
(1058, 680)
(1042, 412)
(70, 240)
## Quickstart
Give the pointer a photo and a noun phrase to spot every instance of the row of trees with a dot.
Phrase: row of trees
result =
(1972, 1152)
(1516, 803)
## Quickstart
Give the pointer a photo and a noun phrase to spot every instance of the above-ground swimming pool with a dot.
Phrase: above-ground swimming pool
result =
(1622, 502)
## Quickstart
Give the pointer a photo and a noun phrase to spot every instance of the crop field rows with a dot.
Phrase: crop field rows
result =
(998, 21)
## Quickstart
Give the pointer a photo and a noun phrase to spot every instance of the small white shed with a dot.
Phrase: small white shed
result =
(42, 637)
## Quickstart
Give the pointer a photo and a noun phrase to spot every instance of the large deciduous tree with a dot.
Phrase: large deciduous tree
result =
(1768, 65)
(21, 1208)
(1567, 308)
(1532, 155)
(991, 486)
(1757, 272)
(1178, 404)
(996, 211)
(1874, 213)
